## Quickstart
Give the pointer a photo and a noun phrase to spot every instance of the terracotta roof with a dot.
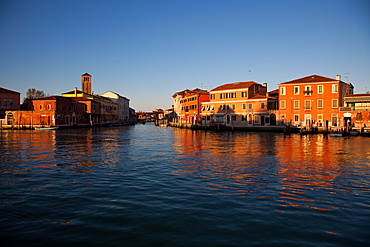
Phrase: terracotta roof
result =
(274, 91)
(59, 98)
(235, 85)
(309, 79)
(87, 74)
(4, 90)
(258, 96)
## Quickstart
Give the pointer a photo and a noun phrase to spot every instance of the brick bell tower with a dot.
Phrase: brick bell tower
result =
(86, 80)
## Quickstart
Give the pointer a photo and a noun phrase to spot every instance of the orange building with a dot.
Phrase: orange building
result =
(191, 105)
(240, 104)
(312, 100)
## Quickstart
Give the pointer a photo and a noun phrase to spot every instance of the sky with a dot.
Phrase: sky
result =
(147, 50)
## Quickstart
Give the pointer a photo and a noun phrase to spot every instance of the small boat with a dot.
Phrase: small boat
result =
(353, 133)
(365, 133)
(47, 128)
(336, 132)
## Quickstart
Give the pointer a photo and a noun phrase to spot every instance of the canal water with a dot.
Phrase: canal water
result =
(150, 186)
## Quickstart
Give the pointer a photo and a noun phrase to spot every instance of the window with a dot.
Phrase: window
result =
(282, 104)
(203, 108)
(334, 119)
(296, 104)
(307, 104)
(49, 107)
(282, 91)
(233, 106)
(222, 107)
(244, 117)
(334, 88)
(212, 108)
(296, 117)
(212, 96)
(244, 94)
(320, 89)
(233, 118)
(40, 107)
(222, 95)
(256, 119)
(334, 103)
(250, 106)
(233, 95)
(244, 106)
(320, 103)
(227, 95)
(10, 102)
(296, 90)
(262, 105)
(5, 101)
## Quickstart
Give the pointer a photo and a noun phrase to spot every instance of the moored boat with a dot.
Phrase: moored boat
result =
(336, 132)
(365, 133)
(46, 128)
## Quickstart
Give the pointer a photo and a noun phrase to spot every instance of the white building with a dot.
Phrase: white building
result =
(123, 105)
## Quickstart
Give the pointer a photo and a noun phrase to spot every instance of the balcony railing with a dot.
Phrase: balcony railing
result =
(353, 108)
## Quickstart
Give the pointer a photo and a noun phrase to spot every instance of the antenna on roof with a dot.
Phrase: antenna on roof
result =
(347, 77)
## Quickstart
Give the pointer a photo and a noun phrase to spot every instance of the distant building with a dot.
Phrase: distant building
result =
(123, 105)
(313, 100)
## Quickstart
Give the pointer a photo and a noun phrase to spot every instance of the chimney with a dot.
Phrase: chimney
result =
(75, 91)
(265, 85)
(338, 77)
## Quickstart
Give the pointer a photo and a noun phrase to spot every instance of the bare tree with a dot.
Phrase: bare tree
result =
(32, 93)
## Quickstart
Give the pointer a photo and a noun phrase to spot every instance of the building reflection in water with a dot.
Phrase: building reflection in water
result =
(287, 169)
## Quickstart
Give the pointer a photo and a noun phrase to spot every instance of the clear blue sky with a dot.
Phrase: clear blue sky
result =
(147, 50)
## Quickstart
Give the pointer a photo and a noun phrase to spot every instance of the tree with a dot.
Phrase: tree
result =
(32, 93)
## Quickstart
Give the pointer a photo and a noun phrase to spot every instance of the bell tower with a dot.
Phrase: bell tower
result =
(86, 80)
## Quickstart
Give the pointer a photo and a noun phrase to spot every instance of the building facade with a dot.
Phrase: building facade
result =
(240, 104)
(191, 104)
(356, 110)
(312, 100)
(123, 106)
(9, 101)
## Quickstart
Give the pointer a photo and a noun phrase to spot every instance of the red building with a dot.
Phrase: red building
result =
(53, 110)
(9, 100)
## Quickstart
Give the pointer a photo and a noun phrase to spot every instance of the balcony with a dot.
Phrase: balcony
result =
(307, 92)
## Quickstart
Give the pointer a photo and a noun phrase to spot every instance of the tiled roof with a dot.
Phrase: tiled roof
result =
(87, 74)
(4, 90)
(235, 85)
(309, 79)
(59, 98)
(258, 96)
(274, 91)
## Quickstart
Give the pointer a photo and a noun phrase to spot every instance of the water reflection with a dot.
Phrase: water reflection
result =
(290, 171)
